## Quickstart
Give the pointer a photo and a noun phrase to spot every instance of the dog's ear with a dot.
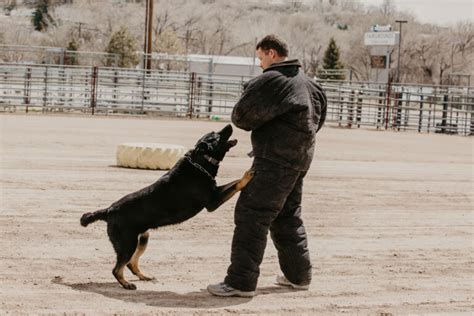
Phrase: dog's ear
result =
(232, 143)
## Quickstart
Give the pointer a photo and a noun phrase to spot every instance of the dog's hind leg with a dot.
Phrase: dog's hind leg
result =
(124, 244)
(133, 264)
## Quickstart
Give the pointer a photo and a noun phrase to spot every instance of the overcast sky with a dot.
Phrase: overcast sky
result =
(442, 12)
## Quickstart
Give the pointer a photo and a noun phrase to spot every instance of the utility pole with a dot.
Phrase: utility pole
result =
(400, 23)
(148, 42)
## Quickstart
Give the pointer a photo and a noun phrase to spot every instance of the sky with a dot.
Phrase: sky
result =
(441, 12)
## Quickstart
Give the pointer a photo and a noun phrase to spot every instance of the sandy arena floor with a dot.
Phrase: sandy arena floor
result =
(389, 217)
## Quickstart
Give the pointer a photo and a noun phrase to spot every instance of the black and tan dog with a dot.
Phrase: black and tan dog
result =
(177, 196)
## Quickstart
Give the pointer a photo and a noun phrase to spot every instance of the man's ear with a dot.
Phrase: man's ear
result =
(272, 53)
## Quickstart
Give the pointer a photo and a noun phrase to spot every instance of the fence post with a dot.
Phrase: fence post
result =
(380, 109)
(115, 93)
(359, 108)
(397, 109)
(430, 105)
(192, 89)
(65, 58)
(471, 128)
(143, 89)
(62, 88)
(444, 115)
(388, 94)
(209, 102)
(465, 131)
(420, 118)
(406, 111)
(45, 93)
(94, 89)
(27, 90)
(340, 100)
(350, 109)
(453, 128)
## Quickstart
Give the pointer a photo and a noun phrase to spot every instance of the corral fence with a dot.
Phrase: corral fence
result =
(440, 109)
(52, 88)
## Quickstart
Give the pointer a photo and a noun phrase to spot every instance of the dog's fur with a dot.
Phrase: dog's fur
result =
(177, 196)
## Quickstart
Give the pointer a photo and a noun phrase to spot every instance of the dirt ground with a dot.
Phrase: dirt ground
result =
(389, 217)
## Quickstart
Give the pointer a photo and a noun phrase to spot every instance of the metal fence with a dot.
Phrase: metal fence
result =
(117, 90)
(441, 109)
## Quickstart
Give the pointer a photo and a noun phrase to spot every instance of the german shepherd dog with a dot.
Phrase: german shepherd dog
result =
(177, 196)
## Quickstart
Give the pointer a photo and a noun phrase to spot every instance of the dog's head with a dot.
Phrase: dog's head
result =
(216, 144)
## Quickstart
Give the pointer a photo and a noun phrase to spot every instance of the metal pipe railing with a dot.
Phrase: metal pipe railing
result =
(443, 109)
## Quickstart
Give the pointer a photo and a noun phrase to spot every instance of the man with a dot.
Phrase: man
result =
(284, 109)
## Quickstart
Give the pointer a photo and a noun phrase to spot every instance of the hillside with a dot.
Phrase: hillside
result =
(231, 28)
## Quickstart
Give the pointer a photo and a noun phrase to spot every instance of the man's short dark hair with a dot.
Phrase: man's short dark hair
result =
(273, 42)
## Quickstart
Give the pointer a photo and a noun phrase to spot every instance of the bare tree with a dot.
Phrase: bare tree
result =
(387, 7)
(189, 29)
(430, 52)
(163, 22)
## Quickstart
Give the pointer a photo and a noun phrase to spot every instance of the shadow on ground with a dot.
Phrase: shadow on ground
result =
(201, 299)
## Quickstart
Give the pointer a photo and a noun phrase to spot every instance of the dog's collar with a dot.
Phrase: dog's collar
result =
(198, 166)
(211, 160)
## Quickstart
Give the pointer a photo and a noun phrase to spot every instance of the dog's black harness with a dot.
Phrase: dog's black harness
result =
(211, 160)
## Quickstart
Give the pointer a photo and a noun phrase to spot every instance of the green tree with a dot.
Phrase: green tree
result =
(331, 62)
(168, 42)
(41, 18)
(71, 56)
(124, 44)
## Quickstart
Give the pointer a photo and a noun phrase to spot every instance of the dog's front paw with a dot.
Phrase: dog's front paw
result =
(248, 175)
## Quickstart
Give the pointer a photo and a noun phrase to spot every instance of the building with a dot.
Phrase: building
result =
(213, 64)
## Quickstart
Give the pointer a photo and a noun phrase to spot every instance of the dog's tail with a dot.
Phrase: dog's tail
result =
(91, 217)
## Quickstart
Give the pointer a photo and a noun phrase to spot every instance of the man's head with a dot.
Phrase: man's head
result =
(271, 49)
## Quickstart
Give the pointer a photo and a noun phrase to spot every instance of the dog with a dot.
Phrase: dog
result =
(178, 195)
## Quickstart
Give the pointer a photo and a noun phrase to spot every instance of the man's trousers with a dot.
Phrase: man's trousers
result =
(271, 201)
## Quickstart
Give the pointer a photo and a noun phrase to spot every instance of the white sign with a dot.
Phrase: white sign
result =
(381, 28)
(381, 38)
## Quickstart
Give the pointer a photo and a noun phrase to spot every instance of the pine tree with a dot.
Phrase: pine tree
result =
(125, 45)
(41, 18)
(71, 56)
(331, 62)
